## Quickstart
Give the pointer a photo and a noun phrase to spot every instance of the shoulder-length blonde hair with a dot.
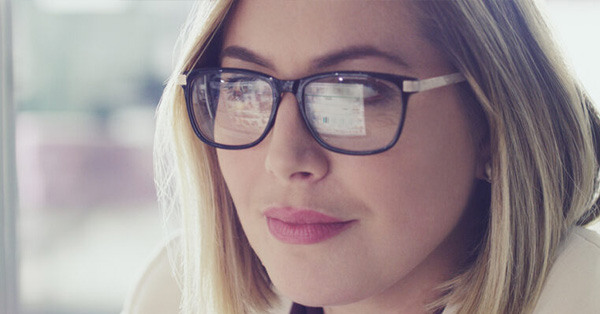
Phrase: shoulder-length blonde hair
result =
(540, 127)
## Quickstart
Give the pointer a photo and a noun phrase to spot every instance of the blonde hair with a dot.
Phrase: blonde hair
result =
(541, 129)
(215, 266)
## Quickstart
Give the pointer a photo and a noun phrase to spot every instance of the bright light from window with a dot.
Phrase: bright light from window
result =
(576, 25)
(82, 6)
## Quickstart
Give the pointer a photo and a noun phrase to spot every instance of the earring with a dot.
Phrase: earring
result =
(488, 172)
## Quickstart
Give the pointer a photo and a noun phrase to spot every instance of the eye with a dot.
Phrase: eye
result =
(239, 88)
(376, 92)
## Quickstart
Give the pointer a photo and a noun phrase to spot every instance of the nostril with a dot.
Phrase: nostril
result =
(301, 175)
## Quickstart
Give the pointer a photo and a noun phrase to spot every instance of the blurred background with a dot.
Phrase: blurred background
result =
(88, 75)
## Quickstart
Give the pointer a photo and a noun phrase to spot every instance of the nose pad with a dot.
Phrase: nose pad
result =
(288, 95)
(292, 152)
(289, 121)
(288, 86)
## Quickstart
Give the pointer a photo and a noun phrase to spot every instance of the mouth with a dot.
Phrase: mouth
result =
(294, 226)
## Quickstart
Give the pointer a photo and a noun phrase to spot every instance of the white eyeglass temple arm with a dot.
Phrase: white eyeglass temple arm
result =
(182, 80)
(431, 83)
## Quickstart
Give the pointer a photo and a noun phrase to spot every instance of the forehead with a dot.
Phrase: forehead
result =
(296, 32)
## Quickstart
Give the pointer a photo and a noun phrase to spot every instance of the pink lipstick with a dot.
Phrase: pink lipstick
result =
(295, 226)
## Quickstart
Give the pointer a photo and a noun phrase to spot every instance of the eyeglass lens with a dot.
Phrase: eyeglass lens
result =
(350, 112)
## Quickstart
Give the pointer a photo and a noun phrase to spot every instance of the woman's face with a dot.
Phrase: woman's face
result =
(336, 230)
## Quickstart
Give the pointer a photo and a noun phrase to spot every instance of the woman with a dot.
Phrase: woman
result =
(380, 156)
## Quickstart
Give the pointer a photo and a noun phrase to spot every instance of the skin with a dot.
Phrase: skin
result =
(408, 203)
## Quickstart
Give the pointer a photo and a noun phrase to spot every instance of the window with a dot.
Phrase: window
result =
(8, 197)
(88, 77)
(576, 25)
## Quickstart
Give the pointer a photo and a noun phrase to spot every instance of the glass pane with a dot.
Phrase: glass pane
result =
(576, 26)
(88, 77)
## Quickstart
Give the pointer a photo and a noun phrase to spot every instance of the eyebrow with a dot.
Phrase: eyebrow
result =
(244, 54)
(356, 52)
(328, 60)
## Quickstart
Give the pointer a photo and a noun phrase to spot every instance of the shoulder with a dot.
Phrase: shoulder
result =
(573, 284)
(156, 290)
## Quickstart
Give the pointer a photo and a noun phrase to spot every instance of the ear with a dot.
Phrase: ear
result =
(484, 160)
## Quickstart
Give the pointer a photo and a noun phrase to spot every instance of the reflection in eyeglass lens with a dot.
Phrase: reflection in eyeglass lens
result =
(243, 111)
(354, 113)
(336, 109)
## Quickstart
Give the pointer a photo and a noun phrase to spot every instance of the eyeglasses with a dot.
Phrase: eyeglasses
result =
(354, 113)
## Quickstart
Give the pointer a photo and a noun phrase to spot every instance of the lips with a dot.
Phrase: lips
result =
(294, 226)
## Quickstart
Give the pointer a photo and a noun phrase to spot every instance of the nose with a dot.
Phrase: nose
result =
(292, 153)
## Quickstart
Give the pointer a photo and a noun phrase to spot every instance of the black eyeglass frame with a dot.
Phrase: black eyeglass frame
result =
(406, 85)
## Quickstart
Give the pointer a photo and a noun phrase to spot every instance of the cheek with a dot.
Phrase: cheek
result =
(240, 171)
(424, 183)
